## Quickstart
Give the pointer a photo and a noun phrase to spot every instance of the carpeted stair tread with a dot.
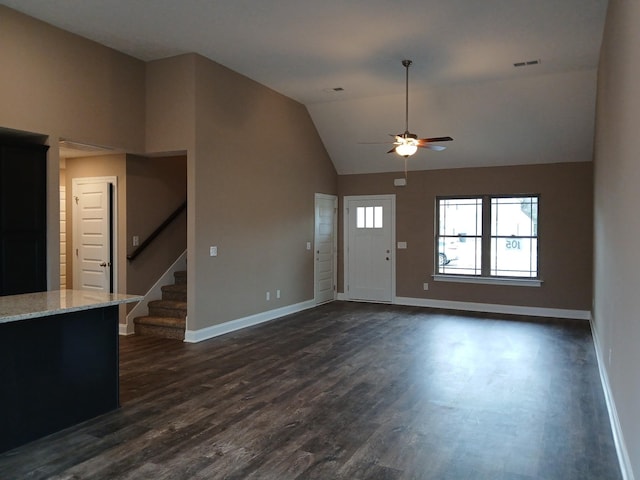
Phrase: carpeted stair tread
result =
(161, 321)
(167, 308)
(166, 317)
(180, 277)
(175, 292)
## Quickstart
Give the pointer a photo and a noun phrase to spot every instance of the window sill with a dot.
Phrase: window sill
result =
(518, 282)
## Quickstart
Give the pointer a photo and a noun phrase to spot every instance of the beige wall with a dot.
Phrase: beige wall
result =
(616, 309)
(60, 85)
(55, 82)
(170, 104)
(252, 195)
(565, 226)
(250, 188)
(155, 188)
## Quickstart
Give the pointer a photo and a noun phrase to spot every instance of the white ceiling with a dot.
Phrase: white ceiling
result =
(462, 83)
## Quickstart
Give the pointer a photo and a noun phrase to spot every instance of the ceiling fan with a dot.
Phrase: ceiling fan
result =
(407, 143)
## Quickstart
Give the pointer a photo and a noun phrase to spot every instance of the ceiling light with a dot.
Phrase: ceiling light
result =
(407, 147)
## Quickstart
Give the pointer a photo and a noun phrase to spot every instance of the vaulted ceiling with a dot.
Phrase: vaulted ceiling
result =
(342, 59)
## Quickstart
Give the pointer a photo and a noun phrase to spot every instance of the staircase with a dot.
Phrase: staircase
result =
(167, 317)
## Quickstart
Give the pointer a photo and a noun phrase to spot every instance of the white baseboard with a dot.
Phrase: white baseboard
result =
(488, 308)
(154, 293)
(194, 336)
(495, 308)
(616, 428)
(125, 329)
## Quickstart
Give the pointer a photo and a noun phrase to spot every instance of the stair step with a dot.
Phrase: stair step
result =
(175, 292)
(166, 327)
(167, 317)
(180, 277)
(160, 321)
(168, 308)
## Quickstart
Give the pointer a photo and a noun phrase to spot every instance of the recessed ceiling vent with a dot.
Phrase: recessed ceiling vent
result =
(527, 63)
(333, 90)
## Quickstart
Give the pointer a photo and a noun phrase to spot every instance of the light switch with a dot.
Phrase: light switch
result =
(136, 240)
(308, 245)
(402, 245)
(213, 251)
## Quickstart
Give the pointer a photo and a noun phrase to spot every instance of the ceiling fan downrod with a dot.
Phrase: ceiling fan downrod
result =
(406, 64)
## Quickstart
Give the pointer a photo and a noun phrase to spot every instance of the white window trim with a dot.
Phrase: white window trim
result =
(518, 282)
(486, 278)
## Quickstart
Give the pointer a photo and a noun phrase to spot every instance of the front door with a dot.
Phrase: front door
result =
(370, 261)
(92, 235)
(325, 247)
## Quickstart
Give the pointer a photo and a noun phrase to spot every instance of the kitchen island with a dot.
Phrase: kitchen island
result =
(58, 361)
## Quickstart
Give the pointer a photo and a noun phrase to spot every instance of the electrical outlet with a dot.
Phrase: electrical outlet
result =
(213, 251)
(277, 293)
(425, 286)
(136, 240)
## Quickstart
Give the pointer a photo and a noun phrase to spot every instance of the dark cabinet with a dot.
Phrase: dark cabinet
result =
(23, 218)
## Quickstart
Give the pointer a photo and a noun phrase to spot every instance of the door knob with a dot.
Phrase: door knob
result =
(105, 264)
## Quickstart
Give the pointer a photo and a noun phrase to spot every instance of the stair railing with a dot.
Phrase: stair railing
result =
(157, 232)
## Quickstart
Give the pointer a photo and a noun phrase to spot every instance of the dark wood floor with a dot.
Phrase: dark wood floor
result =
(347, 391)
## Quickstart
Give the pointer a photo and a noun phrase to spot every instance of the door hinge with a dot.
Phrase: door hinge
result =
(76, 252)
(76, 199)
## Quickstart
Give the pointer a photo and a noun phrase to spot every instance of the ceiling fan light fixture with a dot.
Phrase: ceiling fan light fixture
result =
(406, 149)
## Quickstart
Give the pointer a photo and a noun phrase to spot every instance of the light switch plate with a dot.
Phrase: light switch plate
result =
(213, 251)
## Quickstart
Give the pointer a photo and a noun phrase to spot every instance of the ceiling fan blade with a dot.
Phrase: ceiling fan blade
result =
(374, 143)
(392, 150)
(435, 148)
(436, 139)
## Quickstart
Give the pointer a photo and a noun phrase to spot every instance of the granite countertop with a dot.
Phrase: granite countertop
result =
(41, 304)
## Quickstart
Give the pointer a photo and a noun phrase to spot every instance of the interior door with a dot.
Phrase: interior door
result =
(325, 247)
(370, 259)
(92, 205)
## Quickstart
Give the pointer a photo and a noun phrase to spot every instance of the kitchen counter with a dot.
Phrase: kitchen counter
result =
(42, 304)
(59, 361)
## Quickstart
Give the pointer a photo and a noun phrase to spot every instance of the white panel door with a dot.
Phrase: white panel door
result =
(92, 236)
(370, 261)
(325, 247)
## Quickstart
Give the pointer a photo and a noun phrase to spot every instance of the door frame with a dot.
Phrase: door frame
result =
(113, 180)
(334, 198)
(345, 247)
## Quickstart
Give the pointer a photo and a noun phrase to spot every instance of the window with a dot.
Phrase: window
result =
(488, 236)
(369, 217)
